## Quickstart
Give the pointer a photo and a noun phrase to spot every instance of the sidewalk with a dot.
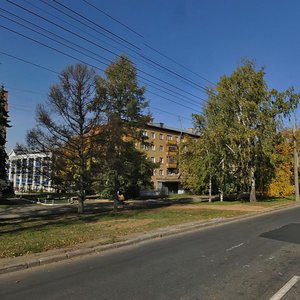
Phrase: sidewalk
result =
(28, 261)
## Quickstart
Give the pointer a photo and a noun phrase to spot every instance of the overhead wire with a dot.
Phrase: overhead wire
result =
(199, 98)
(72, 25)
(111, 17)
(45, 94)
(101, 47)
(82, 23)
(96, 24)
(141, 57)
(138, 53)
(147, 45)
(37, 65)
(52, 48)
(52, 39)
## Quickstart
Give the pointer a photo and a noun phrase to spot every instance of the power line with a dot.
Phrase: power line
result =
(147, 45)
(39, 66)
(74, 26)
(28, 62)
(101, 47)
(148, 60)
(175, 96)
(168, 113)
(17, 106)
(55, 39)
(94, 23)
(82, 23)
(111, 17)
(171, 100)
(52, 48)
(68, 41)
(138, 53)
(179, 64)
(61, 27)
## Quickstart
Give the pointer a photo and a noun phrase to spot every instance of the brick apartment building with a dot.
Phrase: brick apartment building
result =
(31, 171)
(163, 149)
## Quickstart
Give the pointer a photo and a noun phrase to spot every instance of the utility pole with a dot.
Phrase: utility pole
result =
(295, 163)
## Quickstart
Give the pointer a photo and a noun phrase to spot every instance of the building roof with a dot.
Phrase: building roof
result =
(162, 126)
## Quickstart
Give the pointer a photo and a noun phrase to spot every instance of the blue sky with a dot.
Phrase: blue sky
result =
(205, 36)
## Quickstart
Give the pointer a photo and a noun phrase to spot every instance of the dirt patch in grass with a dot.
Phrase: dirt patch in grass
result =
(228, 207)
(124, 224)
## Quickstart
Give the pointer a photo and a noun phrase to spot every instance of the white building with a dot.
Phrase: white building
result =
(29, 171)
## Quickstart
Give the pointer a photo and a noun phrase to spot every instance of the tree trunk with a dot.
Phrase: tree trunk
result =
(253, 189)
(223, 180)
(116, 202)
(81, 204)
(209, 189)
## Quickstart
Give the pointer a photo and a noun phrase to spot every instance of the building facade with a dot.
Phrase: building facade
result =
(163, 148)
(29, 171)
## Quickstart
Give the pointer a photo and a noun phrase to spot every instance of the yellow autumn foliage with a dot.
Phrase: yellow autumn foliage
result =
(281, 185)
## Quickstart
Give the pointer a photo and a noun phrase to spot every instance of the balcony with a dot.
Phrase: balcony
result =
(172, 153)
(171, 165)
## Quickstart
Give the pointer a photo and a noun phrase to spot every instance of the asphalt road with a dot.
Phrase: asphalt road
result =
(248, 259)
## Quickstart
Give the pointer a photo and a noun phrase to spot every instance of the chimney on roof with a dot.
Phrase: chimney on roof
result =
(161, 125)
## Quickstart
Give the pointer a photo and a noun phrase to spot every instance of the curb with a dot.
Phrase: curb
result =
(164, 232)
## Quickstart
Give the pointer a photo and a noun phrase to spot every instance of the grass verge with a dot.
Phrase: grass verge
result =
(32, 235)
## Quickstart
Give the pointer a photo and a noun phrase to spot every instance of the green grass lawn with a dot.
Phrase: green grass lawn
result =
(37, 235)
(32, 235)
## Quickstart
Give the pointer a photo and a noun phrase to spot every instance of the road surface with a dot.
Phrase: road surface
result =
(248, 259)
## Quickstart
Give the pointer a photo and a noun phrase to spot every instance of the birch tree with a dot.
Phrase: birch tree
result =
(240, 124)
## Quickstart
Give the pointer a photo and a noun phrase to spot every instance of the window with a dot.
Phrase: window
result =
(171, 172)
(154, 172)
(153, 147)
(161, 136)
(161, 148)
(153, 159)
(161, 160)
(172, 148)
(161, 172)
(169, 137)
(152, 135)
(144, 147)
(145, 133)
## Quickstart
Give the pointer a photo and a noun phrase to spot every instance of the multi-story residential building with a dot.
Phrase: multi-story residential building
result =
(29, 171)
(162, 148)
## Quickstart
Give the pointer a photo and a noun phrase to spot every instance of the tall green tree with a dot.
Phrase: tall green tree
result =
(240, 125)
(123, 102)
(4, 124)
(65, 127)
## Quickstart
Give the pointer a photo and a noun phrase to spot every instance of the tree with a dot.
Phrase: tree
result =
(122, 101)
(4, 124)
(283, 183)
(240, 125)
(65, 126)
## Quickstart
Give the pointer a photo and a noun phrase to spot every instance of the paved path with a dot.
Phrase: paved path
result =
(248, 259)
